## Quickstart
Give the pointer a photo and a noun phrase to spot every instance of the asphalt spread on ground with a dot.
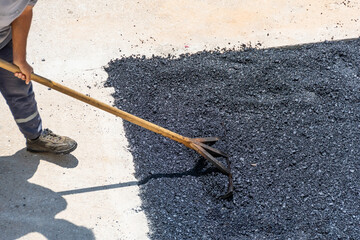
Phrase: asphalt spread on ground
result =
(288, 117)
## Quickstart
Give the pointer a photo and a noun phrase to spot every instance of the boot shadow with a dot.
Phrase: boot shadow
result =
(26, 207)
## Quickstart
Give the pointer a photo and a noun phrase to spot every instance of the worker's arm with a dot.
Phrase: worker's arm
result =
(20, 30)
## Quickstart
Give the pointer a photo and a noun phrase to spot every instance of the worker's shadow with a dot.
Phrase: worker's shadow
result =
(26, 207)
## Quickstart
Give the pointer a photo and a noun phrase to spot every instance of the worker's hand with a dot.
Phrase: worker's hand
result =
(25, 71)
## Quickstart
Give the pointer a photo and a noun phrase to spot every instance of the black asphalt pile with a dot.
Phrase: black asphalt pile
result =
(288, 117)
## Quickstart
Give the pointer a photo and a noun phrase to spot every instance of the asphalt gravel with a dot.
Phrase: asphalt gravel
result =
(288, 117)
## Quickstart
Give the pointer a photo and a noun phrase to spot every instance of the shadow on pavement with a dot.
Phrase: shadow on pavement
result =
(26, 207)
(196, 171)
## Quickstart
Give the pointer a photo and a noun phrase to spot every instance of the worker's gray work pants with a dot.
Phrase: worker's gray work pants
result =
(20, 98)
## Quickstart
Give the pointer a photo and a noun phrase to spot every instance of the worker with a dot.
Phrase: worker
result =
(15, 21)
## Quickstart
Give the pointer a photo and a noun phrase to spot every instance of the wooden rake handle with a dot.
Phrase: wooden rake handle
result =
(82, 97)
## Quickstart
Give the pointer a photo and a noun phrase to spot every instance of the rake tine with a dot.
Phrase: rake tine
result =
(230, 190)
(214, 151)
(207, 140)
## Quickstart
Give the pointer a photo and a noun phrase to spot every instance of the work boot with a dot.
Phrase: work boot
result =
(52, 143)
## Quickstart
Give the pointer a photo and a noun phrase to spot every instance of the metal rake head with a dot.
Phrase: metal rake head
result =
(202, 146)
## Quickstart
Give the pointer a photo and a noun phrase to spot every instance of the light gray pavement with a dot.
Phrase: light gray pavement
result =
(92, 193)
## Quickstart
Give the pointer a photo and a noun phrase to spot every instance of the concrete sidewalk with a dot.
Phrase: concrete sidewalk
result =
(92, 194)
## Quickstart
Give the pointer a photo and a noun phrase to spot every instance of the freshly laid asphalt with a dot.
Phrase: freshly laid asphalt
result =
(288, 117)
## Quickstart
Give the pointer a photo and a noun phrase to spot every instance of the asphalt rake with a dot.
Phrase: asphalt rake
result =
(200, 145)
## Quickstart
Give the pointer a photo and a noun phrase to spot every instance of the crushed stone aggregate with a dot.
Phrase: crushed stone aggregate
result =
(288, 117)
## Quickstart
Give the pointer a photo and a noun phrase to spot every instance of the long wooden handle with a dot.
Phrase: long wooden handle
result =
(82, 97)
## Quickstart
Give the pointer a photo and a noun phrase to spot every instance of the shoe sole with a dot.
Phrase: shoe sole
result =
(59, 152)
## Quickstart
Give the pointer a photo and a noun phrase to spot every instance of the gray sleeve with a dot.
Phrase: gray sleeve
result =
(32, 2)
